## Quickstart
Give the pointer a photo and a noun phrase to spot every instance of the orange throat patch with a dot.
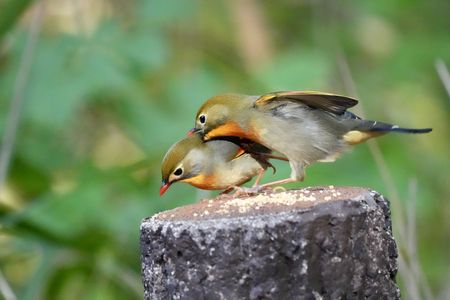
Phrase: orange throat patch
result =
(230, 129)
(202, 182)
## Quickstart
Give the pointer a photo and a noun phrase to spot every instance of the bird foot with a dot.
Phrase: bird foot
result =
(245, 191)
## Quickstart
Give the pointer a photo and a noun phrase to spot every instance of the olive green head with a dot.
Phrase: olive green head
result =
(217, 111)
(179, 163)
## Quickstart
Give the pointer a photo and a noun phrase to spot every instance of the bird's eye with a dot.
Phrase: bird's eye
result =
(178, 172)
(202, 119)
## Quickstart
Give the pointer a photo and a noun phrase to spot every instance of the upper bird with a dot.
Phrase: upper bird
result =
(214, 165)
(304, 126)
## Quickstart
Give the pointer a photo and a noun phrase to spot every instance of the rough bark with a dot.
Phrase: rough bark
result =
(314, 243)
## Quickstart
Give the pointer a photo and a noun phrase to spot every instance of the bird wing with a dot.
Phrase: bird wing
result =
(329, 102)
(241, 146)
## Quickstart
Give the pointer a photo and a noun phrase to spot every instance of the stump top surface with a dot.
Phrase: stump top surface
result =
(227, 206)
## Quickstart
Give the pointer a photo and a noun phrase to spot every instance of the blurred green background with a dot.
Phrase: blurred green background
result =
(101, 89)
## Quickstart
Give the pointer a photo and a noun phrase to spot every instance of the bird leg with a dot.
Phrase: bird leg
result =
(259, 177)
(240, 191)
(278, 182)
(298, 174)
(256, 188)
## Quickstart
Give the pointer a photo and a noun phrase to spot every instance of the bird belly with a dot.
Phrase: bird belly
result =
(302, 138)
(239, 170)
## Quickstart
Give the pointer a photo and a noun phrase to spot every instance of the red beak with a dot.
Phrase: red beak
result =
(163, 188)
(191, 132)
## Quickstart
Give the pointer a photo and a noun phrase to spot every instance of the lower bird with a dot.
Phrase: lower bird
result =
(214, 165)
(303, 126)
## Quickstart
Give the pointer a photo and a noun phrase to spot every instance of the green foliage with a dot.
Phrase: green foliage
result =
(10, 11)
(104, 103)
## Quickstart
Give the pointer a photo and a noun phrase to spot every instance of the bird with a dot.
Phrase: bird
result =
(304, 126)
(220, 164)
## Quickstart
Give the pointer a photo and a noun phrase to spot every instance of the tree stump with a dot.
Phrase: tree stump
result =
(313, 243)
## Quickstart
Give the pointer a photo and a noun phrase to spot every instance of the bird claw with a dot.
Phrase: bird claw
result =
(272, 166)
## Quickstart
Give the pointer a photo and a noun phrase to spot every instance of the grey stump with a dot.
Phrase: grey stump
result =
(313, 243)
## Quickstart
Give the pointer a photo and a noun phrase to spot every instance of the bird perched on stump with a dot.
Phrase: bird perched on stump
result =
(213, 165)
(304, 126)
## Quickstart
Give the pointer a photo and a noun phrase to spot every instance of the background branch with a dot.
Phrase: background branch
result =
(443, 73)
(5, 289)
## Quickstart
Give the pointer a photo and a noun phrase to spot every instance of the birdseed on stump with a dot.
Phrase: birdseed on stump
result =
(313, 243)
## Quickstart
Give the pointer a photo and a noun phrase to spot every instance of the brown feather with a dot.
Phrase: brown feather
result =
(329, 102)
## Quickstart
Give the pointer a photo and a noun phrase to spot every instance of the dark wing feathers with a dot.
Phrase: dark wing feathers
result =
(329, 102)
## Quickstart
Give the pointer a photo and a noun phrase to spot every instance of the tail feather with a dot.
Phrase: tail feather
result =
(375, 126)
(395, 128)
(366, 129)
